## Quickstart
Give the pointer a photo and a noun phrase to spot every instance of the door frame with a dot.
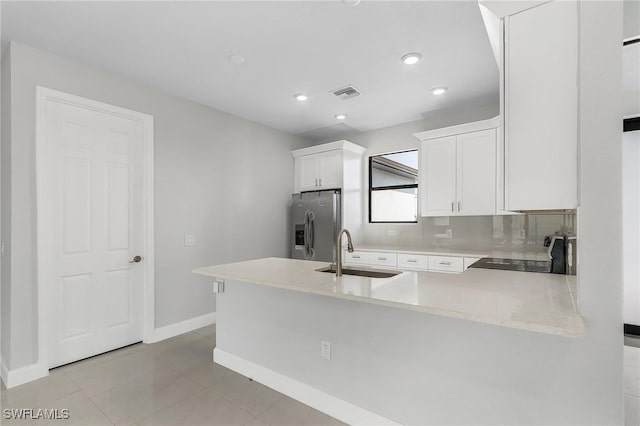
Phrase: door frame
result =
(44, 234)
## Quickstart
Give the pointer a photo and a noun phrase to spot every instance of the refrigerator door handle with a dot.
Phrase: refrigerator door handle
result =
(312, 227)
(306, 235)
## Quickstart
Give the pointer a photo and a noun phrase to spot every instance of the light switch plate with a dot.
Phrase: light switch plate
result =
(325, 349)
(189, 240)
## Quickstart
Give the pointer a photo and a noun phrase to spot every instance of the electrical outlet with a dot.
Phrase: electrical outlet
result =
(325, 349)
(522, 234)
(449, 233)
(189, 240)
(218, 286)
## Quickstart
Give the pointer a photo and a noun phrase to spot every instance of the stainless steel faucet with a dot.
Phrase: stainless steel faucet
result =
(339, 250)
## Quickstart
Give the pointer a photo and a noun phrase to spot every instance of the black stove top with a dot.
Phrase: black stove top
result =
(513, 264)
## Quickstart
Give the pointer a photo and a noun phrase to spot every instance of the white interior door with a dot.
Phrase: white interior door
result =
(93, 169)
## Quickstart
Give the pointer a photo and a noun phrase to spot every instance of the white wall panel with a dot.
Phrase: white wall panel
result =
(118, 221)
(117, 304)
(76, 305)
(76, 205)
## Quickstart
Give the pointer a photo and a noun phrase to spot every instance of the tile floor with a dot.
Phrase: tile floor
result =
(173, 382)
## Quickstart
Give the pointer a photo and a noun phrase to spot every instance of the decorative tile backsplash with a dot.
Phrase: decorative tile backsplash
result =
(521, 232)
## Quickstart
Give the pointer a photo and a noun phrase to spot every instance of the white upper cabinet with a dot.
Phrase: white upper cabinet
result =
(438, 177)
(459, 170)
(334, 165)
(327, 166)
(319, 171)
(540, 107)
(477, 172)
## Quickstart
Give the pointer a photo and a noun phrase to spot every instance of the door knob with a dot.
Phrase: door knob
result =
(136, 259)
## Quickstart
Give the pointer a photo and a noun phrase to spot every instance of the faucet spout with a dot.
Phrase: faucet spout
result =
(339, 250)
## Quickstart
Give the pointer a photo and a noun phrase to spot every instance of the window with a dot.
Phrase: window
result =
(393, 187)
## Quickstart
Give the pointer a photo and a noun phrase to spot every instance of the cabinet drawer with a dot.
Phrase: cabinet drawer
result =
(383, 259)
(413, 261)
(446, 263)
(357, 257)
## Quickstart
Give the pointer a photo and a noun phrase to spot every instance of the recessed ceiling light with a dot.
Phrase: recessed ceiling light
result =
(341, 116)
(237, 59)
(301, 97)
(411, 58)
(438, 90)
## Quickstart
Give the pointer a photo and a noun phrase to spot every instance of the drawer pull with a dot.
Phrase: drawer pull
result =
(355, 256)
(444, 263)
(412, 260)
(382, 258)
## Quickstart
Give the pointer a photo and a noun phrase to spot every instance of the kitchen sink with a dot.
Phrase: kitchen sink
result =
(331, 269)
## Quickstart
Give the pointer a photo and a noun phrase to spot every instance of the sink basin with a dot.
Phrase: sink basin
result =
(331, 269)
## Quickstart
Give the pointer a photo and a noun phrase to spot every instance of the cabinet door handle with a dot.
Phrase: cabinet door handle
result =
(412, 260)
(320, 180)
(459, 204)
(382, 258)
(355, 256)
(316, 181)
(444, 263)
(452, 207)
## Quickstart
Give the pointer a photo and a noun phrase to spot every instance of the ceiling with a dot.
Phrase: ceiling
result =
(290, 47)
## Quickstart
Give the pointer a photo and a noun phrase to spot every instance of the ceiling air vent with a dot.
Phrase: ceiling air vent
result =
(346, 92)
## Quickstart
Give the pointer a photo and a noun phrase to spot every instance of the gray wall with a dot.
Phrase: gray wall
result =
(5, 213)
(220, 177)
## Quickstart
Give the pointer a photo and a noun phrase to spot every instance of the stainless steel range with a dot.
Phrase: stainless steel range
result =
(521, 265)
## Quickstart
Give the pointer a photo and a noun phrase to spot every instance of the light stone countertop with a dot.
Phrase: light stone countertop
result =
(530, 301)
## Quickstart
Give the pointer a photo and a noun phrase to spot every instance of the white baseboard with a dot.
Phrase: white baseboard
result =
(19, 376)
(181, 327)
(322, 401)
(4, 374)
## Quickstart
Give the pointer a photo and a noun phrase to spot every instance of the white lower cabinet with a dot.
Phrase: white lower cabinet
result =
(409, 261)
(446, 263)
(383, 259)
(413, 261)
(357, 257)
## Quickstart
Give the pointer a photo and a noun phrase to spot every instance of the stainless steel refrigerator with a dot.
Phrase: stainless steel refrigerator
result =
(315, 223)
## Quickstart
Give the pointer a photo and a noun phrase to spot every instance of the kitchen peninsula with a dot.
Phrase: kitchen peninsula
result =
(397, 345)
